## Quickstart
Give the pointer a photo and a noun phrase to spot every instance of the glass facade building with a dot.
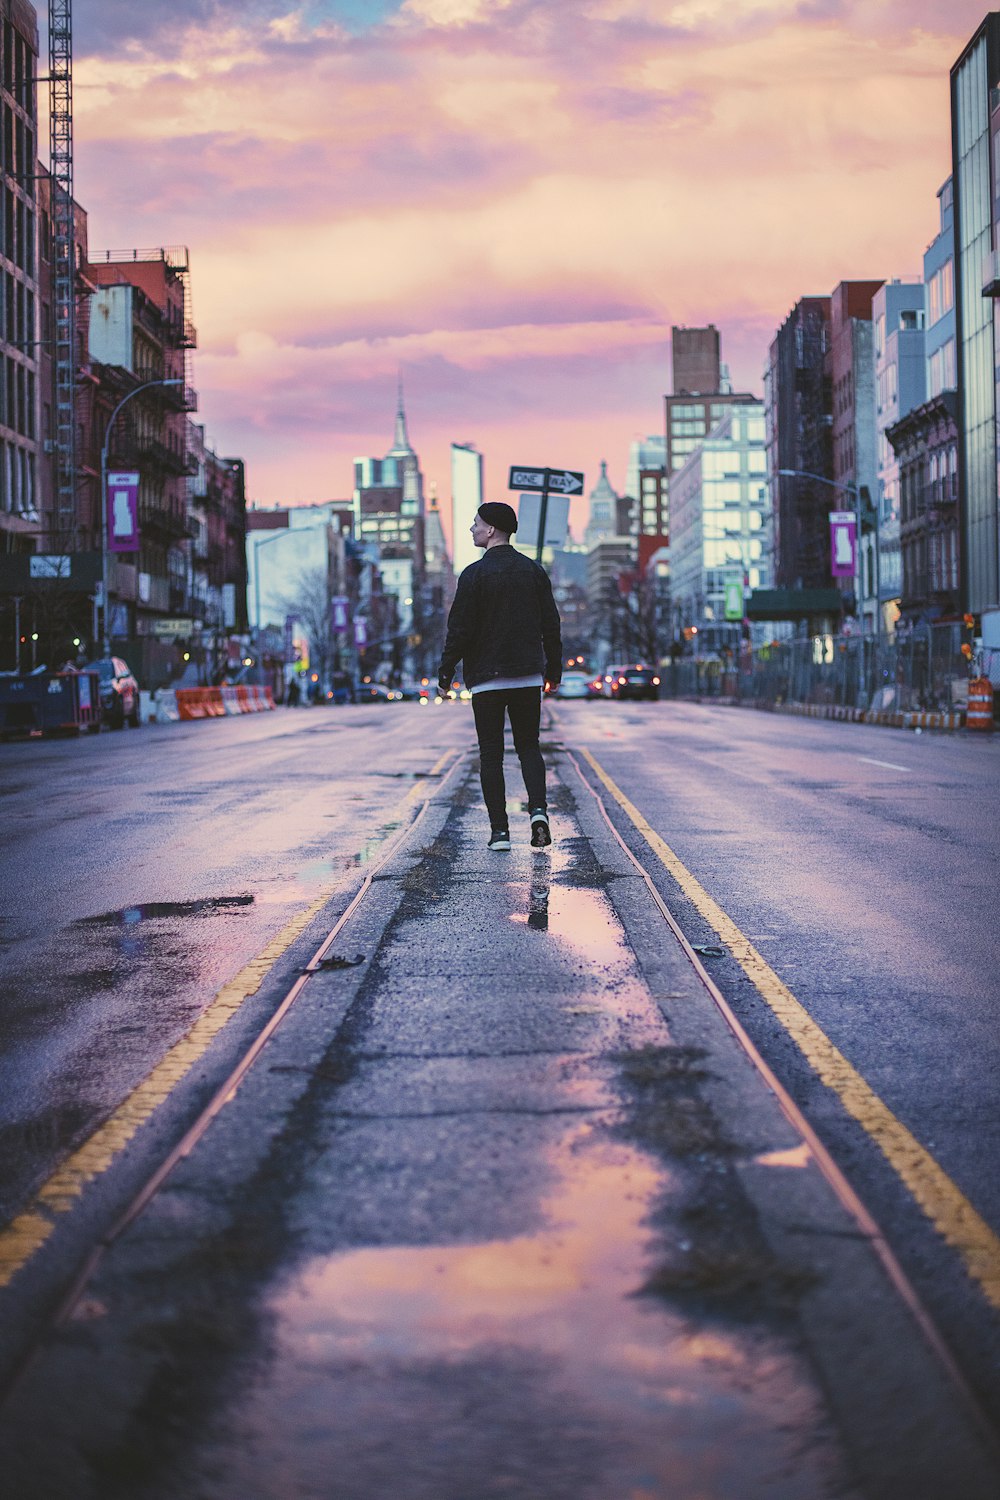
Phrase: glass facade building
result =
(939, 287)
(720, 522)
(975, 158)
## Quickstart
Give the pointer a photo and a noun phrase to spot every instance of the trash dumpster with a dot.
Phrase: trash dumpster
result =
(50, 703)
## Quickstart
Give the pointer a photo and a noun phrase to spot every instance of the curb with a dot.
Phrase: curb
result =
(887, 718)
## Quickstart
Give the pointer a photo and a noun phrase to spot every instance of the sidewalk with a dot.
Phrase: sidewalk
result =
(503, 1211)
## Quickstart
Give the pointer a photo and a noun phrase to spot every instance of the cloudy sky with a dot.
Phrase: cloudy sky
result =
(509, 200)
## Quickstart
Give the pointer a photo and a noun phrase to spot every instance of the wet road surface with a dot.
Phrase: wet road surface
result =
(502, 1210)
(142, 870)
(861, 862)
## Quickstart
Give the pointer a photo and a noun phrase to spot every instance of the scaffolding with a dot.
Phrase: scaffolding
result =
(63, 256)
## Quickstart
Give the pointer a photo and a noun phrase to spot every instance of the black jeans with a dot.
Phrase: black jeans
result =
(524, 707)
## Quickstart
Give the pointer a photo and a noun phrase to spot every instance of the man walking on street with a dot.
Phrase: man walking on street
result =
(504, 628)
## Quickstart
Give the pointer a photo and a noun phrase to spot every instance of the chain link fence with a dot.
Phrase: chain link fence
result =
(924, 670)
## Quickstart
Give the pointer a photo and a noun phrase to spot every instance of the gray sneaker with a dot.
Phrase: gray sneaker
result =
(499, 839)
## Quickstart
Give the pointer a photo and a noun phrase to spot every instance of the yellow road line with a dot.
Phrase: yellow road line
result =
(951, 1213)
(28, 1232)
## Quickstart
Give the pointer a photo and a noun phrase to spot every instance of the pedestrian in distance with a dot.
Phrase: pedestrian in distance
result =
(504, 629)
(294, 693)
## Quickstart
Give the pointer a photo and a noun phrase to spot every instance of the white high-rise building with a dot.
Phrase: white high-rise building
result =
(466, 498)
(603, 521)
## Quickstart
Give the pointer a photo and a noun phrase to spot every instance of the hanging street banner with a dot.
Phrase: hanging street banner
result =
(734, 601)
(361, 632)
(561, 481)
(843, 543)
(338, 614)
(123, 512)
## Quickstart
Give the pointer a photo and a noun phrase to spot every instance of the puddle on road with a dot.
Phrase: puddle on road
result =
(531, 1366)
(152, 911)
(581, 918)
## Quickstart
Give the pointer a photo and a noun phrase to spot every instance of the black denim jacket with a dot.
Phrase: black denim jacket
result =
(504, 621)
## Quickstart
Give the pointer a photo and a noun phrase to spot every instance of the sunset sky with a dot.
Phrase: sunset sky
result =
(509, 200)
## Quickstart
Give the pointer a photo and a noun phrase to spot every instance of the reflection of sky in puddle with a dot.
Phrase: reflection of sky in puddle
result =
(311, 877)
(581, 922)
(443, 1300)
(669, 1408)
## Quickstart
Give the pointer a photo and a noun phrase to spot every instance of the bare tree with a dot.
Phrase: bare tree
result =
(309, 599)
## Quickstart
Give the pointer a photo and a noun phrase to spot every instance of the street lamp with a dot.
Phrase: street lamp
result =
(106, 636)
(855, 493)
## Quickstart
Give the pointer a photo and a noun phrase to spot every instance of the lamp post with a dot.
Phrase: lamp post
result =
(106, 635)
(855, 493)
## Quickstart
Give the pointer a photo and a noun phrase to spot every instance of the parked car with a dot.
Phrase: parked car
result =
(574, 685)
(119, 692)
(377, 692)
(636, 682)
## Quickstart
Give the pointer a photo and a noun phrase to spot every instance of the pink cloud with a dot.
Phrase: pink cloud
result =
(513, 200)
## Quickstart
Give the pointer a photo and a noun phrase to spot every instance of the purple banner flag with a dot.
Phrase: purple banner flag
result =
(123, 512)
(338, 614)
(843, 543)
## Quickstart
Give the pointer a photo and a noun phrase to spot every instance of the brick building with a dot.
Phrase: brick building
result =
(925, 442)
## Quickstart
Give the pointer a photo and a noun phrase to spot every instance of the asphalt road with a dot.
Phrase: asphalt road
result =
(143, 870)
(862, 864)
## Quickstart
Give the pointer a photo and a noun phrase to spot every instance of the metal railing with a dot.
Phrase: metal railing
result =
(924, 669)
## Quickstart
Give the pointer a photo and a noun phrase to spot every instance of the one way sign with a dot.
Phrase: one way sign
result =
(561, 481)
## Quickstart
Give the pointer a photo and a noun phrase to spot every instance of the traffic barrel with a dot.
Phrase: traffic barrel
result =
(979, 714)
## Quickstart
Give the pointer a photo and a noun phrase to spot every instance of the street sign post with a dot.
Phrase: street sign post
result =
(556, 518)
(566, 482)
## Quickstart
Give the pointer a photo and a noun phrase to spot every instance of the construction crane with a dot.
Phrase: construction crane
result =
(63, 257)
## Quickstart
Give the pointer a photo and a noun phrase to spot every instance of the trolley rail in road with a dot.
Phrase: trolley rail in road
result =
(69, 1298)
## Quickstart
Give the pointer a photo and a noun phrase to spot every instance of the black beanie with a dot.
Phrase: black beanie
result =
(499, 514)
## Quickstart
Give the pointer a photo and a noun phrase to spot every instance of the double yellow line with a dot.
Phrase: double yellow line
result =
(951, 1213)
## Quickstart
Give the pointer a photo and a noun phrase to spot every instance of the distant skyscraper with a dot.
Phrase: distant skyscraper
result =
(466, 498)
(389, 514)
(702, 392)
(694, 358)
(603, 520)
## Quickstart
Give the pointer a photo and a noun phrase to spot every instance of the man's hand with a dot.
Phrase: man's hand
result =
(444, 686)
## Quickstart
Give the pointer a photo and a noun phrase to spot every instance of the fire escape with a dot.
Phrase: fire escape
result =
(63, 258)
